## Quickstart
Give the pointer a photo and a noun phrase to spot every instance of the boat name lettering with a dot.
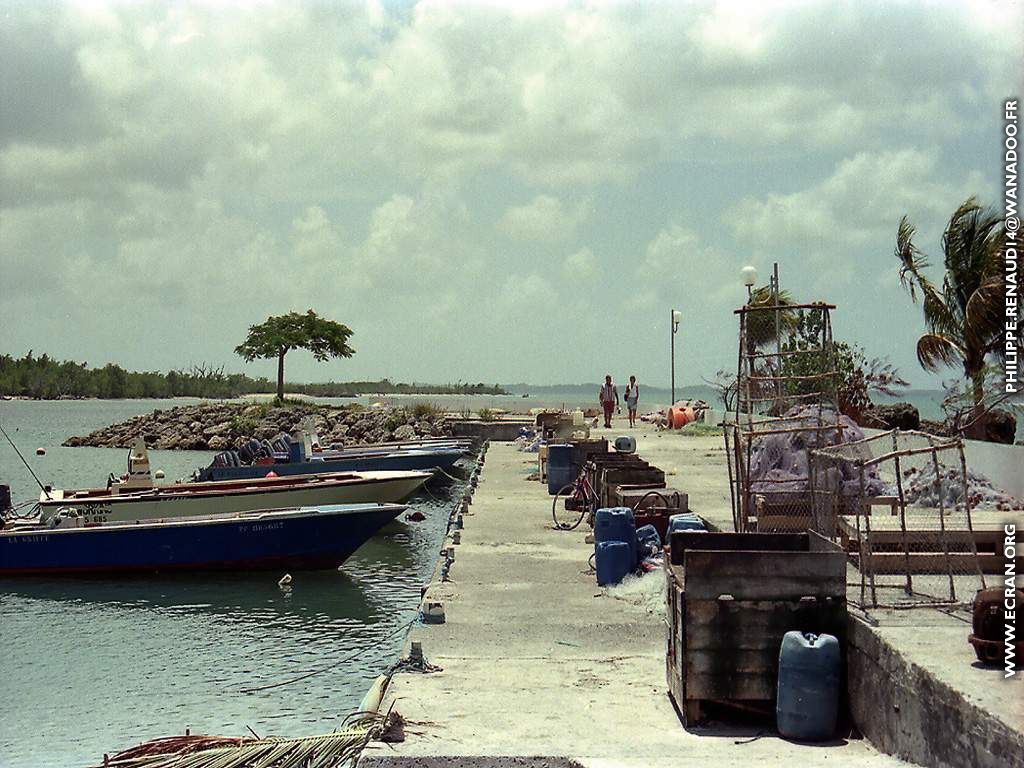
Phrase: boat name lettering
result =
(257, 527)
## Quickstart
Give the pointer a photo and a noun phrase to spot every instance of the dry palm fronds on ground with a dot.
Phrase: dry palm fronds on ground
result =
(327, 751)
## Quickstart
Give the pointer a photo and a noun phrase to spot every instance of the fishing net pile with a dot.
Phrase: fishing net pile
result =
(780, 463)
(921, 490)
(529, 441)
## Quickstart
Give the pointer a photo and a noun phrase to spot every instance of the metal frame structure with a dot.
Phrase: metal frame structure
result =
(928, 551)
(767, 391)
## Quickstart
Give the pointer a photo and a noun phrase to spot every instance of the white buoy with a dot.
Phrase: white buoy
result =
(40, 451)
(285, 580)
(433, 613)
(159, 474)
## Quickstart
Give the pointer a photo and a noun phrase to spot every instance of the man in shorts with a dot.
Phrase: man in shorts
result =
(609, 397)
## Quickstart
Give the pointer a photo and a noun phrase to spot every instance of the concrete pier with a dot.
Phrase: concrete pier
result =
(540, 666)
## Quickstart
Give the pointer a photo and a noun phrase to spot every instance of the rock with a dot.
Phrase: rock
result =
(218, 429)
(895, 416)
(995, 427)
(405, 432)
(217, 443)
(934, 427)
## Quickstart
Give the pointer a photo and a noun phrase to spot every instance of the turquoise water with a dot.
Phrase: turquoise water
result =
(95, 665)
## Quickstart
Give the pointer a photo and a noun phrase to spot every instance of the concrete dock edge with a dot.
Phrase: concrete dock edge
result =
(907, 712)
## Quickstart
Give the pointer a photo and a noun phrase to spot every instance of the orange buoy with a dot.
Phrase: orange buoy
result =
(679, 417)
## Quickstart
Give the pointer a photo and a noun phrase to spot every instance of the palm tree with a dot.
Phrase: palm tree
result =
(963, 315)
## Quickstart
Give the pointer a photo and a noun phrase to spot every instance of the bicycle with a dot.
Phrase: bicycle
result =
(578, 495)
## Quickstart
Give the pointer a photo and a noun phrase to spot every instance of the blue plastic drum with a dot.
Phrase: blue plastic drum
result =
(560, 472)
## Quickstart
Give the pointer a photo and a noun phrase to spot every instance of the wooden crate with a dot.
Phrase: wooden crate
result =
(731, 598)
(610, 477)
(633, 495)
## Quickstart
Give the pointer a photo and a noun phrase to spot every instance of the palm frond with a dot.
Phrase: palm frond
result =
(935, 351)
(912, 261)
(761, 325)
(972, 244)
(325, 751)
(983, 314)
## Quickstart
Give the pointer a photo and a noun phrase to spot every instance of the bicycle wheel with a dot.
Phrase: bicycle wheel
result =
(564, 493)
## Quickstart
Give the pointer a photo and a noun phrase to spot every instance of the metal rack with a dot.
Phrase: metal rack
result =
(786, 394)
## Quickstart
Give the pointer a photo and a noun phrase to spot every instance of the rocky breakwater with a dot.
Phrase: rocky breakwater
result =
(222, 426)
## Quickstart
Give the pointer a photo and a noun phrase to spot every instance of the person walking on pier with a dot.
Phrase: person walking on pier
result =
(632, 397)
(609, 397)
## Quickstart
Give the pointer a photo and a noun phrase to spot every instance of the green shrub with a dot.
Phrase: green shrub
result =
(244, 425)
(425, 410)
(486, 414)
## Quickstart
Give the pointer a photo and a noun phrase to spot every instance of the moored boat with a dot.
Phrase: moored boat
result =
(298, 456)
(293, 539)
(135, 497)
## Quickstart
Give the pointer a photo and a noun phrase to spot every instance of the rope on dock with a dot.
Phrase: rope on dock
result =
(326, 751)
(333, 665)
(450, 477)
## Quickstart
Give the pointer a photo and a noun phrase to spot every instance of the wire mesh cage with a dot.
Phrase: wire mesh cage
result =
(901, 504)
(785, 405)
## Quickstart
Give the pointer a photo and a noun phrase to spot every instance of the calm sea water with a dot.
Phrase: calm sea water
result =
(95, 665)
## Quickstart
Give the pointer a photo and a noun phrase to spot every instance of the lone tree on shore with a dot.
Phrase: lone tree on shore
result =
(280, 334)
(963, 315)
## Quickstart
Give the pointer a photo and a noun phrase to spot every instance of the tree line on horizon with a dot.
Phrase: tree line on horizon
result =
(44, 378)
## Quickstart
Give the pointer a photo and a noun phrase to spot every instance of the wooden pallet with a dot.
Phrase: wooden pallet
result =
(882, 551)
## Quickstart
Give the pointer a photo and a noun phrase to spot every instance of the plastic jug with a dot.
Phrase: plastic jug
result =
(807, 704)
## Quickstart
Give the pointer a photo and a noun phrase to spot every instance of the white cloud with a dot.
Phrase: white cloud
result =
(580, 265)
(544, 218)
(205, 161)
(859, 205)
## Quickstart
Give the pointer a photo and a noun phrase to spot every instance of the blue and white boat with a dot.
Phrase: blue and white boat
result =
(303, 538)
(297, 456)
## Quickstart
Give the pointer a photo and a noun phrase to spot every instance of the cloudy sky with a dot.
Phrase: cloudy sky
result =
(482, 191)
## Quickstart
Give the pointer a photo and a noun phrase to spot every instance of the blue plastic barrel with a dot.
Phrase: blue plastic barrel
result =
(614, 560)
(648, 541)
(807, 704)
(686, 521)
(616, 524)
(559, 467)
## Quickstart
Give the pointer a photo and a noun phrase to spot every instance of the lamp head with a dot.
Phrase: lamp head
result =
(749, 275)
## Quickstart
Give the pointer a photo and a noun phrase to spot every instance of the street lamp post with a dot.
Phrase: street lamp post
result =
(676, 317)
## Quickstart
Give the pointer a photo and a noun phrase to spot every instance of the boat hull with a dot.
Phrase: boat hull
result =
(303, 539)
(178, 501)
(408, 460)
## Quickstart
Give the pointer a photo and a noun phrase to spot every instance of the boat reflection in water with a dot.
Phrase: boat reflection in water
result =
(316, 600)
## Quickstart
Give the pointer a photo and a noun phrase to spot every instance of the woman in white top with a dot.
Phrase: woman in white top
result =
(632, 397)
